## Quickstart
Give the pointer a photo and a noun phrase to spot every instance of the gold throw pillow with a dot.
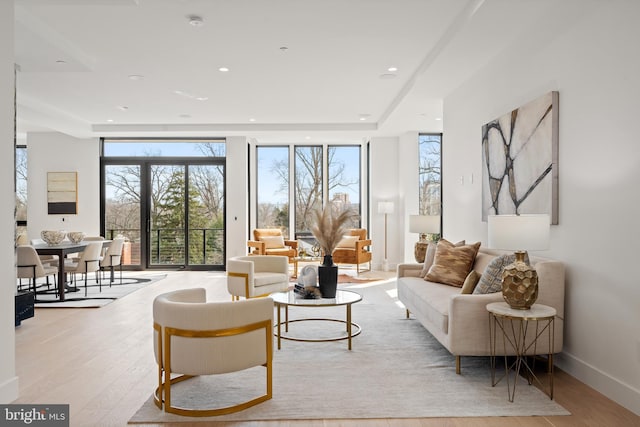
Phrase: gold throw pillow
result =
(451, 263)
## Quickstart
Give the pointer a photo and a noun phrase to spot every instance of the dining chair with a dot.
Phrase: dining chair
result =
(46, 259)
(113, 258)
(30, 266)
(89, 261)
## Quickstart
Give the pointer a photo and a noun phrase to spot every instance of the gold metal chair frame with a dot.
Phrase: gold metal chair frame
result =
(246, 286)
(162, 393)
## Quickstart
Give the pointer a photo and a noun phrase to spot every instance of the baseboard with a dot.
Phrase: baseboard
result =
(616, 390)
(9, 390)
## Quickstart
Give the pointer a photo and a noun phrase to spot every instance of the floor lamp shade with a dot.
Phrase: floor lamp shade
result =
(519, 233)
(423, 225)
(385, 207)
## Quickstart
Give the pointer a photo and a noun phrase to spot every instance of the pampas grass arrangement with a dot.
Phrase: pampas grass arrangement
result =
(330, 226)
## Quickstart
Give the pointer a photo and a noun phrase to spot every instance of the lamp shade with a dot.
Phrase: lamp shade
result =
(519, 232)
(424, 224)
(385, 207)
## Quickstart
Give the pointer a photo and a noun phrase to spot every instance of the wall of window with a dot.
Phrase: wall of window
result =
(430, 174)
(21, 189)
(305, 176)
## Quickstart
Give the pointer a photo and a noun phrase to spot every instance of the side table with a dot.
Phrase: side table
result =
(521, 329)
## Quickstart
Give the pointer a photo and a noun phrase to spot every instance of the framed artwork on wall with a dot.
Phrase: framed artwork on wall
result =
(62, 193)
(520, 160)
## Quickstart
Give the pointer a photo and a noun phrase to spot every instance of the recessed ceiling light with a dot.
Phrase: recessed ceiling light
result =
(392, 69)
(202, 98)
(387, 76)
(307, 137)
(283, 48)
(122, 107)
(252, 119)
(364, 116)
(223, 69)
(438, 118)
(61, 62)
(135, 77)
(195, 20)
(109, 120)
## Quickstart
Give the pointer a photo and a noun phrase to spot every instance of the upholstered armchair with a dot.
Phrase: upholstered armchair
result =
(193, 337)
(270, 241)
(353, 249)
(257, 275)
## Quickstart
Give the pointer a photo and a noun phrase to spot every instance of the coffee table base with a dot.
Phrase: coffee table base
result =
(354, 332)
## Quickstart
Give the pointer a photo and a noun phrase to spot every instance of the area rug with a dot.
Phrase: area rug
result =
(396, 369)
(95, 298)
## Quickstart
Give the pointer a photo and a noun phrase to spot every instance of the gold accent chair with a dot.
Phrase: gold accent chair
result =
(353, 249)
(270, 241)
(257, 275)
(193, 337)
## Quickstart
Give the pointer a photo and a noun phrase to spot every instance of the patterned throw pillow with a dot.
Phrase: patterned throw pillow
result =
(470, 282)
(452, 264)
(431, 253)
(491, 279)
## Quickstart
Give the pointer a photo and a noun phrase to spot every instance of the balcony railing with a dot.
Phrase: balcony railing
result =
(168, 246)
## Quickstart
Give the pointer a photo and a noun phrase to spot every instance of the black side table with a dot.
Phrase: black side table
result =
(24, 306)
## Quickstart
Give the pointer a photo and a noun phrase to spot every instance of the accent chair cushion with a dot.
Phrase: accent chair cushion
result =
(470, 282)
(272, 242)
(348, 242)
(491, 279)
(451, 263)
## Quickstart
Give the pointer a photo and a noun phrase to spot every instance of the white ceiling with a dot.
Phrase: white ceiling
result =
(320, 87)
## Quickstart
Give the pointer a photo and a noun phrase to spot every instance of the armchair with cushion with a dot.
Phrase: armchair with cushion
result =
(353, 249)
(257, 275)
(193, 337)
(270, 241)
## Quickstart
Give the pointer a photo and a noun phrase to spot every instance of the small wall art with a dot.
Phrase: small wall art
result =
(520, 160)
(62, 193)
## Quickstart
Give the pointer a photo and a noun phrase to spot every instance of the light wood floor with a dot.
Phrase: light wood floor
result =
(100, 361)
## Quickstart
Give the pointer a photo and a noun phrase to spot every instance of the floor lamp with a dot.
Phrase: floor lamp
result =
(385, 208)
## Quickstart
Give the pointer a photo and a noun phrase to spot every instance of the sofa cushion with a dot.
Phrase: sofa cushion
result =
(428, 301)
(452, 264)
(431, 253)
(491, 279)
(272, 242)
(470, 282)
(264, 278)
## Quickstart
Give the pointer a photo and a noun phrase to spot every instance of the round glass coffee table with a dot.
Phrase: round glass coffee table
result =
(288, 299)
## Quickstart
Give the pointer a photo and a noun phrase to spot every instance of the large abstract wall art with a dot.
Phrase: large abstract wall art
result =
(520, 160)
(62, 193)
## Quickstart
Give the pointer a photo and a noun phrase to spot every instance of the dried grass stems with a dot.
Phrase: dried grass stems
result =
(330, 226)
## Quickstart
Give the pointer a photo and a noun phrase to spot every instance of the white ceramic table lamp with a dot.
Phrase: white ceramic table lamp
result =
(423, 225)
(519, 233)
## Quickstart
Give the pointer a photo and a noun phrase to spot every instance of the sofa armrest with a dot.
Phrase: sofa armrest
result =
(409, 270)
(468, 329)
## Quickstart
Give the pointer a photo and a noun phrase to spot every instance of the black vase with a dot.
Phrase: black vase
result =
(328, 277)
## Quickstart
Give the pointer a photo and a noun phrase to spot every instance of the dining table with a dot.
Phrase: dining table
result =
(62, 250)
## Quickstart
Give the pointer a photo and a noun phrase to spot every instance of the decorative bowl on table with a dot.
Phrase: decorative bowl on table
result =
(53, 237)
(76, 236)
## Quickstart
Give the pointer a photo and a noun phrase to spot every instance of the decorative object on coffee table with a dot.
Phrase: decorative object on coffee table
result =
(329, 226)
(424, 225)
(519, 233)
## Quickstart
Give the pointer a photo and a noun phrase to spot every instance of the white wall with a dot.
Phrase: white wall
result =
(56, 152)
(384, 187)
(8, 379)
(594, 63)
(236, 196)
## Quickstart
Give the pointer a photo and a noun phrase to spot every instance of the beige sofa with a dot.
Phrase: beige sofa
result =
(461, 322)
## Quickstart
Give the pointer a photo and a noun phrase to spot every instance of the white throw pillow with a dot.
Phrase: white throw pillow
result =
(273, 242)
(348, 242)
